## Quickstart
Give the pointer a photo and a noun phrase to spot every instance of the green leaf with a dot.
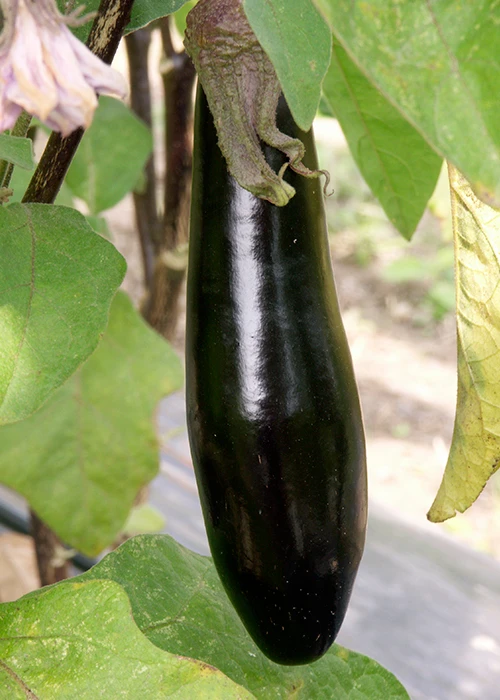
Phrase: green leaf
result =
(20, 181)
(298, 42)
(78, 640)
(180, 605)
(181, 14)
(396, 162)
(17, 150)
(442, 298)
(406, 269)
(100, 226)
(56, 287)
(325, 109)
(111, 156)
(475, 448)
(82, 458)
(143, 12)
(142, 519)
(433, 60)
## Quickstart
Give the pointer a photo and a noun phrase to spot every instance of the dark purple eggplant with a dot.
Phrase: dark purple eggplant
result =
(274, 419)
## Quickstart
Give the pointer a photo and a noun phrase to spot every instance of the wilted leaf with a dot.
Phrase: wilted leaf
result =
(110, 157)
(398, 165)
(436, 61)
(78, 640)
(81, 459)
(475, 449)
(180, 605)
(297, 40)
(56, 284)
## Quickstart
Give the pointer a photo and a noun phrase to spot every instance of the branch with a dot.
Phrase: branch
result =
(145, 205)
(103, 40)
(161, 306)
(52, 567)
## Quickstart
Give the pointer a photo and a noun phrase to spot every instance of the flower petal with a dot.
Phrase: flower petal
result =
(9, 112)
(104, 79)
(34, 88)
(45, 70)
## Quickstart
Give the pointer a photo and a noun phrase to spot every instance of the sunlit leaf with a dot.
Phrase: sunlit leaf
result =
(179, 603)
(143, 519)
(78, 640)
(181, 14)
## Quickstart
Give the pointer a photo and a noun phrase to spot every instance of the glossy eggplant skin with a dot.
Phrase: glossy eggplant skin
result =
(273, 411)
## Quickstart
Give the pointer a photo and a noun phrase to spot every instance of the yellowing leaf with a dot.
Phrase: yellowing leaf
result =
(475, 449)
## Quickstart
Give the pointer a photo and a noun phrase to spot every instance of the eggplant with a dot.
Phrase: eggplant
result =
(273, 412)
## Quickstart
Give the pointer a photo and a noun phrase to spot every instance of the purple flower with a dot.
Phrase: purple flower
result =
(47, 71)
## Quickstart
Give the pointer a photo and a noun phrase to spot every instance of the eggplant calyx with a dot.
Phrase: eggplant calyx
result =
(242, 91)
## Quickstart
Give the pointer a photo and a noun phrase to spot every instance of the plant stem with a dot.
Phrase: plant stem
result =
(48, 547)
(20, 129)
(162, 303)
(145, 205)
(104, 37)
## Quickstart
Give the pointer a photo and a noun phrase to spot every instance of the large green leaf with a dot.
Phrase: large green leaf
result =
(111, 156)
(180, 605)
(57, 280)
(81, 459)
(398, 165)
(17, 150)
(78, 640)
(475, 449)
(435, 62)
(298, 42)
(143, 12)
